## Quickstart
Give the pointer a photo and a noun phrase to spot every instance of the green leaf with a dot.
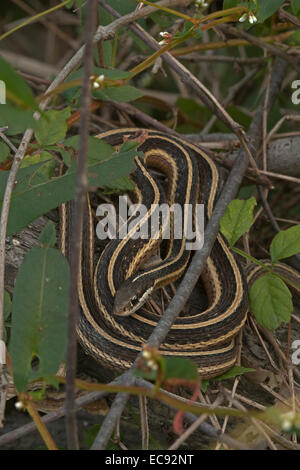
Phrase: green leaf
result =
(237, 219)
(23, 181)
(121, 94)
(45, 171)
(286, 243)
(180, 368)
(98, 150)
(16, 119)
(176, 370)
(236, 370)
(270, 301)
(230, 4)
(17, 89)
(52, 126)
(295, 6)
(39, 316)
(4, 151)
(7, 305)
(48, 235)
(30, 202)
(7, 312)
(267, 8)
(204, 385)
(122, 184)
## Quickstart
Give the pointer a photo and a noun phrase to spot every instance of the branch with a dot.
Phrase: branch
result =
(274, 50)
(77, 223)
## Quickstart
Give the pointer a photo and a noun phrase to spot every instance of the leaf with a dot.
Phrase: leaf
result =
(180, 368)
(204, 385)
(17, 89)
(7, 312)
(295, 6)
(121, 94)
(45, 171)
(98, 150)
(267, 8)
(236, 370)
(30, 202)
(16, 119)
(23, 179)
(39, 316)
(48, 235)
(237, 219)
(270, 301)
(4, 151)
(122, 184)
(230, 4)
(175, 371)
(7, 305)
(52, 126)
(286, 243)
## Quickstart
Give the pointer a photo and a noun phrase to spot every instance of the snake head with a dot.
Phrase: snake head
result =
(132, 294)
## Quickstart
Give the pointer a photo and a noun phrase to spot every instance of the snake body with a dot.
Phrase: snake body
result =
(208, 337)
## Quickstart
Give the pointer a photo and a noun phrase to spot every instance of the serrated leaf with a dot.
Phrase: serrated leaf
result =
(237, 219)
(270, 301)
(233, 372)
(121, 94)
(286, 243)
(39, 315)
(52, 126)
(17, 89)
(267, 8)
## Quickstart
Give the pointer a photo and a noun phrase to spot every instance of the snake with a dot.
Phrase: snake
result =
(112, 326)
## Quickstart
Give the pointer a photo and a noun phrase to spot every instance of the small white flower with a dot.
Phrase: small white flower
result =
(166, 38)
(152, 365)
(200, 4)
(288, 420)
(146, 354)
(19, 405)
(243, 18)
(252, 18)
(98, 81)
(248, 16)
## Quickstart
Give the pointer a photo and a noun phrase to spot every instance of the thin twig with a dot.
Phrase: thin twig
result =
(79, 200)
(274, 50)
